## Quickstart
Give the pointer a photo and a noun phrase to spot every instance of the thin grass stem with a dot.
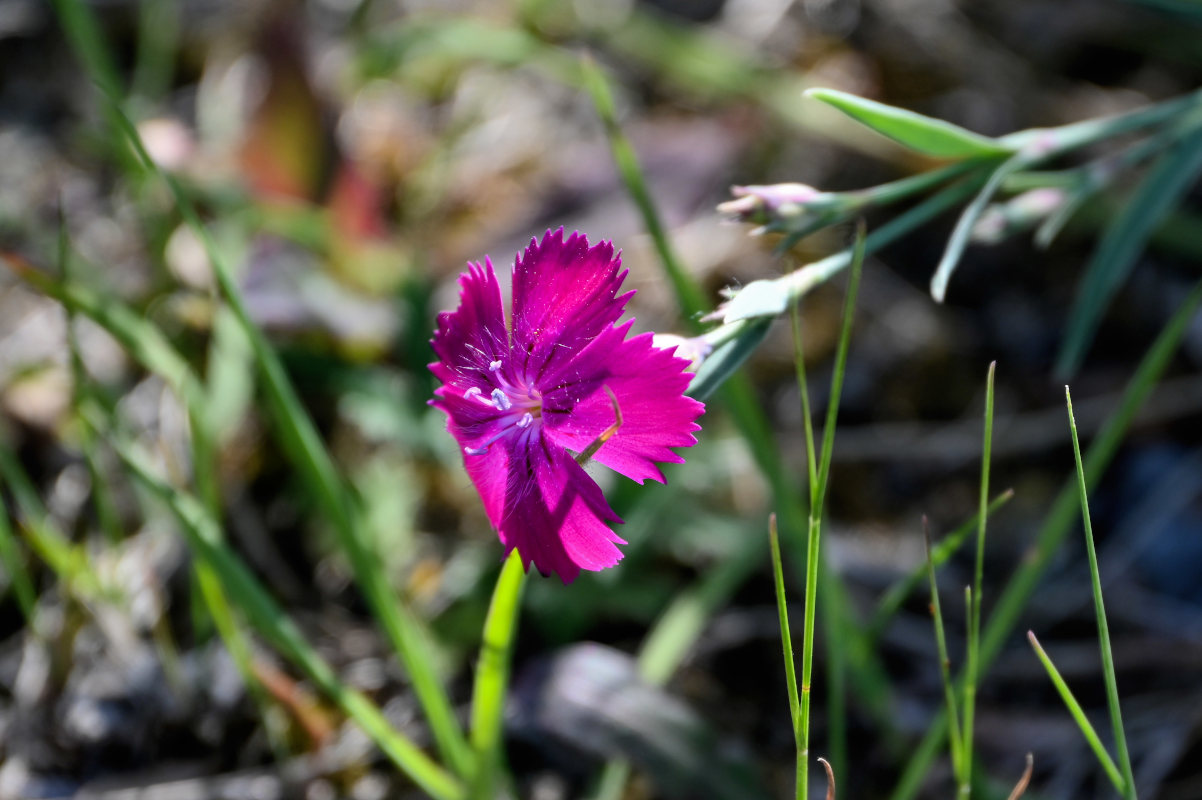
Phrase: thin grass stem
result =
(814, 535)
(949, 693)
(972, 668)
(893, 598)
(1112, 691)
(786, 638)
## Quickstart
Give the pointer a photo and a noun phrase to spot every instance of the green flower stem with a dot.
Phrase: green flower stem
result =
(1112, 691)
(1051, 142)
(492, 675)
(1079, 716)
(818, 487)
(888, 193)
(797, 283)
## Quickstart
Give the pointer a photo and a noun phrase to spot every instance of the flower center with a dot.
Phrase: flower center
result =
(520, 407)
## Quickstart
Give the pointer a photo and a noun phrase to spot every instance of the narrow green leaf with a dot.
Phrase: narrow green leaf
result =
(1160, 191)
(595, 82)
(492, 674)
(933, 137)
(1079, 716)
(968, 218)
(972, 667)
(782, 610)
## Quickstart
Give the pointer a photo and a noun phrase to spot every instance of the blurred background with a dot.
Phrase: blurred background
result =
(349, 156)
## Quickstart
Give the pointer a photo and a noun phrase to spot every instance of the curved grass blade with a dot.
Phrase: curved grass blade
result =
(891, 601)
(1074, 708)
(203, 536)
(932, 137)
(1160, 191)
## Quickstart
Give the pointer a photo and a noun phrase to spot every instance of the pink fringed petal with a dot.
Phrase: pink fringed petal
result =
(564, 294)
(648, 383)
(474, 335)
(554, 513)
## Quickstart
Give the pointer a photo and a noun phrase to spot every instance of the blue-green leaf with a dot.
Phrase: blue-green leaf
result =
(1160, 191)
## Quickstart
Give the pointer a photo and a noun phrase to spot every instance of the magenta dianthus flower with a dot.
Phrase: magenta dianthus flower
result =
(519, 395)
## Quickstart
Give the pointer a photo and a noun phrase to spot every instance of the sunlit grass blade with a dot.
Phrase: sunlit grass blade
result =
(1112, 691)
(204, 538)
(1078, 713)
(893, 598)
(932, 137)
(1057, 525)
(1158, 193)
(304, 446)
(786, 638)
(70, 562)
(972, 668)
(492, 675)
(945, 664)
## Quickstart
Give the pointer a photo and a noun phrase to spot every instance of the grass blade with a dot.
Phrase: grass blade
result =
(492, 674)
(627, 163)
(945, 664)
(786, 639)
(972, 668)
(817, 501)
(1160, 191)
(1112, 691)
(205, 540)
(309, 456)
(1078, 713)
(891, 601)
